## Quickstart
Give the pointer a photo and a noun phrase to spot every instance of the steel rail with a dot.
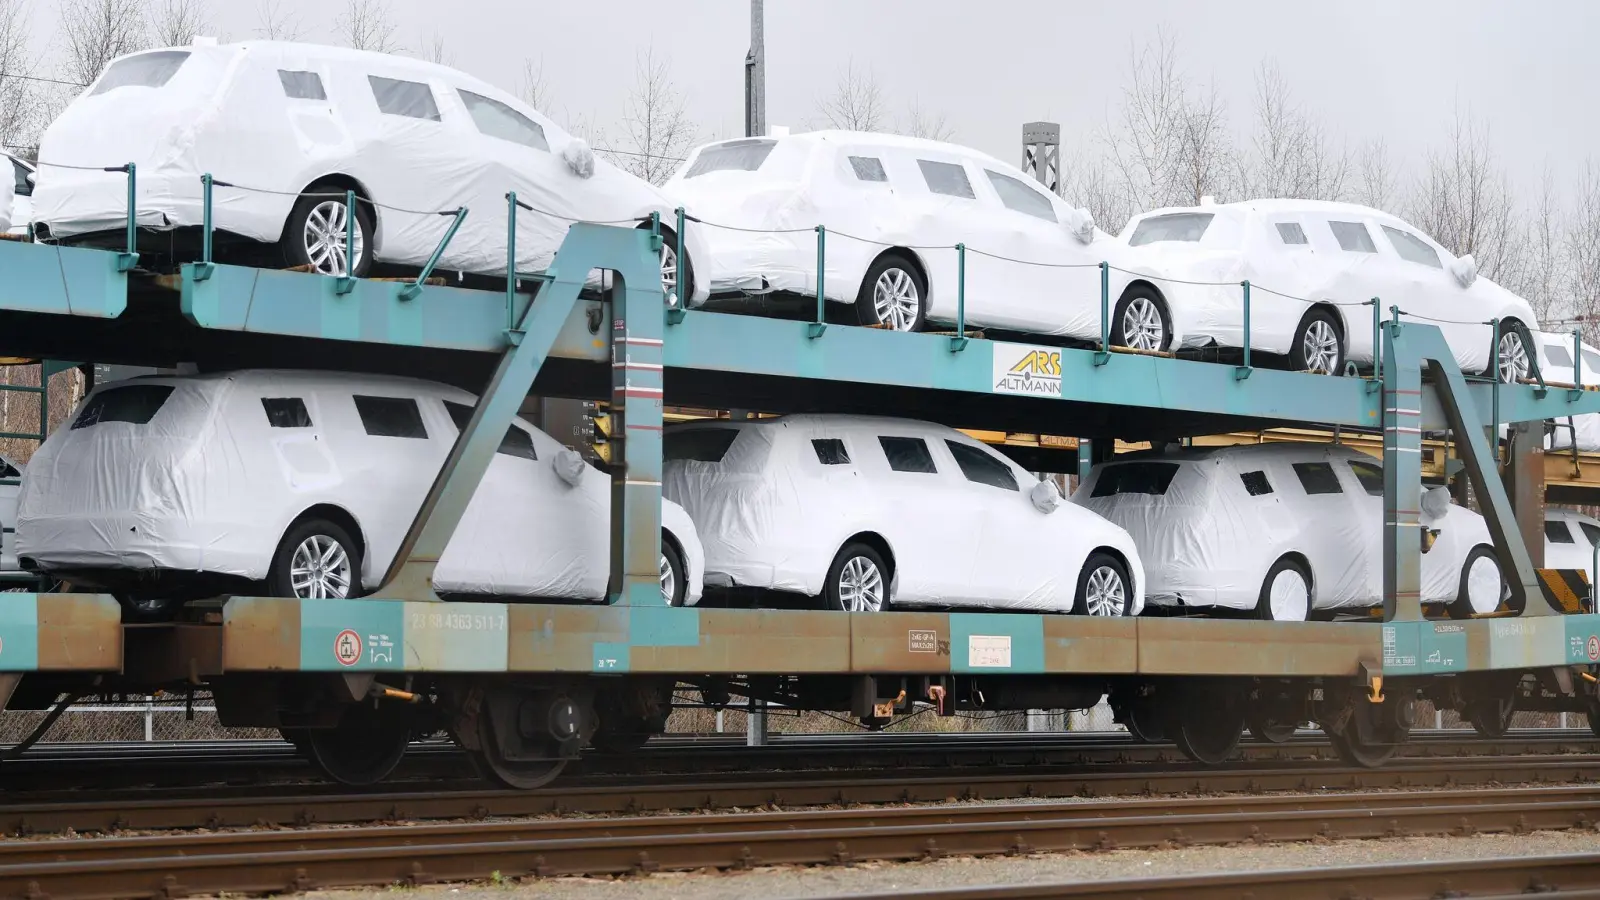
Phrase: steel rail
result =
(256, 861)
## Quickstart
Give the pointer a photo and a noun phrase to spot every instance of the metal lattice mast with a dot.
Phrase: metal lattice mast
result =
(1041, 154)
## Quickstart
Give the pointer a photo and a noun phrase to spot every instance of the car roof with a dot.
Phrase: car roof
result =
(1255, 453)
(839, 422)
(894, 141)
(1562, 514)
(1276, 206)
(307, 378)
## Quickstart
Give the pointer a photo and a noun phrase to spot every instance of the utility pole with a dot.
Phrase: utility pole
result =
(755, 75)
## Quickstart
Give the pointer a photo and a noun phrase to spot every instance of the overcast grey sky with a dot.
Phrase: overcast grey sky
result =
(1371, 68)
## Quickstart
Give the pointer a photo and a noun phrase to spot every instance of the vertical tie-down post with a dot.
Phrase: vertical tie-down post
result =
(638, 318)
(1402, 480)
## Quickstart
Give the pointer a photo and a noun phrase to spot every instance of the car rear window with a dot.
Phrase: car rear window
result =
(1256, 483)
(1135, 478)
(135, 404)
(868, 168)
(390, 417)
(1590, 531)
(1185, 227)
(1557, 533)
(498, 120)
(733, 156)
(945, 178)
(830, 451)
(1318, 478)
(411, 99)
(286, 412)
(302, 85)
(708, 445)
(1353, 236)
(516, 443)
(1370, 474)
(907, 454)
(151, 70)
(981, 468)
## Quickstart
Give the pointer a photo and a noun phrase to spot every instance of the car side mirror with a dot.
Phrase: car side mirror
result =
(570, 466)
(1465, 270)
(1435, 504)
(578, 157)
(33, 177)
(1045, 496)
(1080, 224)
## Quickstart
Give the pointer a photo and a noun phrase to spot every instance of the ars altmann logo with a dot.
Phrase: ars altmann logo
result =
(1034, 371)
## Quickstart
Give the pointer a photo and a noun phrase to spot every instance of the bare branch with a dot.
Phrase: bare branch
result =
(924, 123)
(277, 24)
(535, 91)
(366, 25)
(1464, 200)
(856, 103)
(1292, 155)
(657, 126)
(433, 50)
(1581, 241)
(98, 31)
(1374, 180)
(176, 23)
(21, 102)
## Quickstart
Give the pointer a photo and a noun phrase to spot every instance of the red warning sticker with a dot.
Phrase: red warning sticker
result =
(1594, 648)
(347, 647)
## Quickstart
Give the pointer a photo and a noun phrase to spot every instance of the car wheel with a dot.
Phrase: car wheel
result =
(315, 235)
(1511, 355)
(1285, 593)
(894, 295)
(857, 581)
(672, 273)
(1318, 346)
(674, 578)
(1482, 586)
(317, 560)
(144, 607)
(1141, 321)
(1103, 587)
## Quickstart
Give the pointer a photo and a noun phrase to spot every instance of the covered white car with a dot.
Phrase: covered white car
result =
(20, 206)
(1282, 529)
(167, 487)
(1312, 265)
(290, 127)
(872, 512)
(894, 208)
(10, 487)
(1559, 368)
(1569, 540)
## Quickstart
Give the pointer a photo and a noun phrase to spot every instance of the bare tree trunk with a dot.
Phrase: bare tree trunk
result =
(1464, 200)
(366, 25)
(856, 103)
(1292, 154)
(534, 89)
(21, 104)
(658, 130)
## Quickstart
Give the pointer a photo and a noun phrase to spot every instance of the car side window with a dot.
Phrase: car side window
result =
(302, 85)
(1256, 483)
(1018, 197)
(707, 445)
(497, 120)
(1318, 478)
(1135, 478)
(1370, 475)
(286, 412)
(981, 468)
(1591, 361)
(868, 168)
(411, 99)
(1353, 236)
(830, 451)
(908, 454)
(24, 187)
(390, 417)
(7, 470)
(516, 443)
(1590, 531)
(945, 178)
(1556, 533)
(1412, 248)
(1292, 233)
(1558, 354)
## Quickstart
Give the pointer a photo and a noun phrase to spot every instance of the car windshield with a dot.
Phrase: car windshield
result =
(1185, 227)
(498, 120)
(733, 156)
(144, 70)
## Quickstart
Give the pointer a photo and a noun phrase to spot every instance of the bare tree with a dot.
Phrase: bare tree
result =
(1292, 155)
(1543, 272)
(1464, 200)
(98, 31)
(366, 25)
(276, 24)
(1581, 242)
(1374, 180)
(924, 123)
(433, 49)
(1090, 183)
(856, 103)
(176, 23)
(657, 128)
(21, 103)
(534, 89)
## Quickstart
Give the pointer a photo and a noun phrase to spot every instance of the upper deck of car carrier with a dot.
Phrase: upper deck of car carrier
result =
(548, 334)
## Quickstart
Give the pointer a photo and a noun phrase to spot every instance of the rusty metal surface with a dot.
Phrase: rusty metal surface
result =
(158, 654)
(1092, 645)
(79, 632)
(1184, 646)
(254, 861)
(260, 634)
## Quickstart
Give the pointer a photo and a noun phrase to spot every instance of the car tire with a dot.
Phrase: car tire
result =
(1281, 598)
(1510, 364)
(669, 283)
(1318, 344)
(904, 302)
(1483, 559)
(1141, 321)
(674, 574)
(1104, 589)
(858, 581)
(335, 569)
(317, 222)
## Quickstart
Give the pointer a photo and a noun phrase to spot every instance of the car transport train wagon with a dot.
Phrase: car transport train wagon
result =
(589, 648)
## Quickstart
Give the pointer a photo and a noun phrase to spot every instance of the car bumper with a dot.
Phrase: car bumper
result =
(139, 542)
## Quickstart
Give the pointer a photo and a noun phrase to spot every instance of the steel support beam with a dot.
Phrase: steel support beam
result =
(1524, 478)
(527, 344)
(637, 318)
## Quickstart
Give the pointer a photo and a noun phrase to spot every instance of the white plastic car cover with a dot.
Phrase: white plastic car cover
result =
(1465, 270)
(771, 513)
(1198, 257)
(205, 483)
(8, 196)
(10, 470)
(1558, 369)
(271, 119)
(1045, 496)
(1210, 524)
(571, 466)
(1569, 540)
(1031, 259)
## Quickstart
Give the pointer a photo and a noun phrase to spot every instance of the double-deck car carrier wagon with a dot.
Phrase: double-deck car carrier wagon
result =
(523, 687)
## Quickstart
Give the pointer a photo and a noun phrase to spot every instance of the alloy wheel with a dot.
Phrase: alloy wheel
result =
(1320, 346)
(320, 569)
(895, 299)
(861, 585)
(669, 580)
(1513, 358)
(325, 238)
(1141, 324)
(669, 273)
(1104, 594)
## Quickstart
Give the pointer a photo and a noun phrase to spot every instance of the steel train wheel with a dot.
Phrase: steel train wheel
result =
(363, 749)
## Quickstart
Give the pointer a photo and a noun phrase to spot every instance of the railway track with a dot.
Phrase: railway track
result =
(225, 807)
(275, 861)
